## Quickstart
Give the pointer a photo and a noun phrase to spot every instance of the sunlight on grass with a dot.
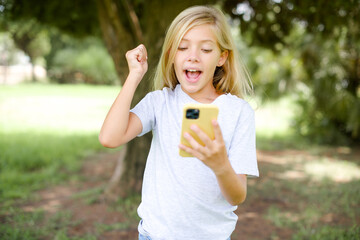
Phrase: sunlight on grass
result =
(274, 129)
(46, 130)
(335, 170)
(282, 218)
(54, 108)
(274, 118)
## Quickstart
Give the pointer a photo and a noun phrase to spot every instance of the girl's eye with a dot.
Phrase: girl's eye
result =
(182, 48)
(207, 50)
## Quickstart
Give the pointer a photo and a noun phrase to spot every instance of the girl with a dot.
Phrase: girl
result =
(189, 198)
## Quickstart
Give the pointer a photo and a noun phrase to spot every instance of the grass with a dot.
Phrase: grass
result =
(46, 130)
(316, 194)
(35, 225)
(274, 127)
(314, 190)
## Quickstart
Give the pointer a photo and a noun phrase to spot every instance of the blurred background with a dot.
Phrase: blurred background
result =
(62, 63)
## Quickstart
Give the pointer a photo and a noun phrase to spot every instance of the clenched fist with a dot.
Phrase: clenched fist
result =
(137, 61)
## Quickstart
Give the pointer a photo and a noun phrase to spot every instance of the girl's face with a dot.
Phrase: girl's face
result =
(195, 62)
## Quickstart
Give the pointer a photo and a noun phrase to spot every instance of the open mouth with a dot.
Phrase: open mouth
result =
(192, 75)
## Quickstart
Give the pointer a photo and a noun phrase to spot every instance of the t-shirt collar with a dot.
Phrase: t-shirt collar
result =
(184, 95)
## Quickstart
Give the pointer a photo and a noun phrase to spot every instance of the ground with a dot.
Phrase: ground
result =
(91, 215)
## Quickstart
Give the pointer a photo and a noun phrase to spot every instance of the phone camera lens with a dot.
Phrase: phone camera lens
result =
(192, 113)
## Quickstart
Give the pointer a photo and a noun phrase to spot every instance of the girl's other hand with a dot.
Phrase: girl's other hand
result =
(137, 61)
(214, 153)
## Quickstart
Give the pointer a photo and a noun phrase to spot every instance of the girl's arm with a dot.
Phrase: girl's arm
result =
(233, 186)
(120, 126)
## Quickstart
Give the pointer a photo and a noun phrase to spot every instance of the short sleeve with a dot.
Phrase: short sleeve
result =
(146, 113)
(242, 152)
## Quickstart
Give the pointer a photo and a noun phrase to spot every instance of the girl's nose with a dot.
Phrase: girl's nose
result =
(193, 56)
(193, 59)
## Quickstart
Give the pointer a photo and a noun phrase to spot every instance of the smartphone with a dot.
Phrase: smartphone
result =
(201, 115)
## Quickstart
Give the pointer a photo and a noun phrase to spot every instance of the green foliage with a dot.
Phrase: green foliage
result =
(68, 59)
(331, 112)
(275, 75)
(78, 18)
(268, 23)
(312, 55)
(31, 37)
(8, 51)
(85, 61)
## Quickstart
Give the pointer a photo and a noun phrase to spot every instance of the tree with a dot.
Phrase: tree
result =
(28, 35)
(32, 39)
(72, 60)
(324, 36)
(8, 54)
(124, 24)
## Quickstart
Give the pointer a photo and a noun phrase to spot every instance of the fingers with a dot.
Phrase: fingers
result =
(203, 137)
(199, 145)
(217, 131)
(195, 149)
(202, 145)
(141, 54)
(193, 142)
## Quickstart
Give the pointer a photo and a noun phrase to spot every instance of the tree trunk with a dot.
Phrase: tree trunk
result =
(123, 30)
(118, 39)
(33, 74)
(127, 177)
(134, 165)
(5, 57)
(5, 69)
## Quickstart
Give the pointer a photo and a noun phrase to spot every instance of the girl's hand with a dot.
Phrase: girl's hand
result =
(137, 61)
(214, 153)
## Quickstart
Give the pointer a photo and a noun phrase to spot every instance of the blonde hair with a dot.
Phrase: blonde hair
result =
(232, 77)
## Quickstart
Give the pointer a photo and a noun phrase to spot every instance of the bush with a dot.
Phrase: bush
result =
(88, 63)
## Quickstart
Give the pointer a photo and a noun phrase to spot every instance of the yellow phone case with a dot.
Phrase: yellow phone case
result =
(206, 113)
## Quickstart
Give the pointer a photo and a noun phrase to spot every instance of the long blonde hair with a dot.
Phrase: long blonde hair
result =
(232, 77)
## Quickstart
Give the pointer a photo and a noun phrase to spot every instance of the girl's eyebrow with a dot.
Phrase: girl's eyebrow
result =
(205, 40)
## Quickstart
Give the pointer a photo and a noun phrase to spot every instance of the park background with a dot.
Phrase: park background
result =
(62, 64)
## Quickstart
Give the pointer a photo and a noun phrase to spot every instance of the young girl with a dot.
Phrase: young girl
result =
(189, 198)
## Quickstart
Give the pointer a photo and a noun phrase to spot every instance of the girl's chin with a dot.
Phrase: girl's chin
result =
(189, 89)
(189, 84)
(192, 80)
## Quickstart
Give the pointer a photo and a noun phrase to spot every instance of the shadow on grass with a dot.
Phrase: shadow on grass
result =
(304, 191)
(312, 190)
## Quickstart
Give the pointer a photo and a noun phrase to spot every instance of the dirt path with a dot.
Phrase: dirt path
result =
(94, 216)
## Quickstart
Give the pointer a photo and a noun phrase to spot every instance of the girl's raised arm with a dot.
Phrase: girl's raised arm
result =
(120, 126)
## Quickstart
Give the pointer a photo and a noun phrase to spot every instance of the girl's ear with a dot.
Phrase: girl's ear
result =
(223, 58)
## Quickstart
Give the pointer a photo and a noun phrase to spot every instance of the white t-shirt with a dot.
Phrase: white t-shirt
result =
(181, 198)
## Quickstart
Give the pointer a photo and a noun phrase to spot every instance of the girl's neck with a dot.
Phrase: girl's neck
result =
(204, 97)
